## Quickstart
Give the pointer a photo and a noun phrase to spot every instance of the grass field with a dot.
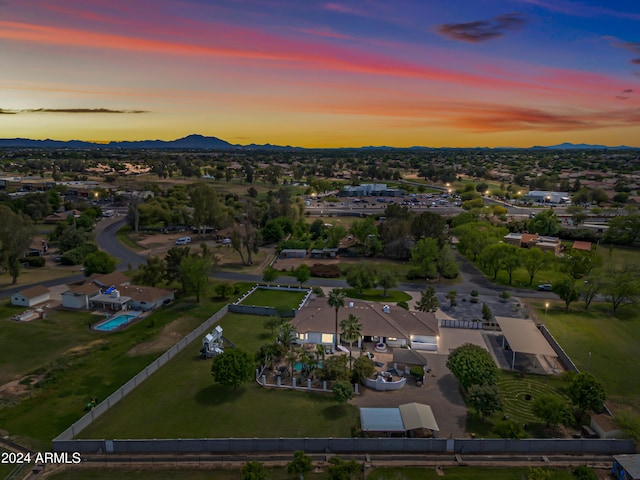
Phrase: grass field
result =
(263, 297)
(73, 364)
(190, 405)
(32, 275)
(601, 343)
(552, 274)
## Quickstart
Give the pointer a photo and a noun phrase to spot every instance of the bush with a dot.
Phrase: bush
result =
(33, 261)
(403, 304)
(318, 291)
(325, 271)
(417, 372)
(584, 473)
(509, 429)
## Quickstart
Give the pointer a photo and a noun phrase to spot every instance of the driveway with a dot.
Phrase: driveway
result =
(440, 391)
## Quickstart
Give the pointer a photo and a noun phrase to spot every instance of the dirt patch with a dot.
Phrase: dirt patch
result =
(81, 349)
(167, 338)
(159, 244)
(20, 387)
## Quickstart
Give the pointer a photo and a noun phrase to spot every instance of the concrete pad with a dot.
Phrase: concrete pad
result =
(451, 338)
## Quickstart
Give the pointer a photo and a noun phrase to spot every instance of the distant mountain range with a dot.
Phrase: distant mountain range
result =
(200, 142)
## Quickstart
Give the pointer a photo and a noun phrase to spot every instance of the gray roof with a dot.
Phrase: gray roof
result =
(524, 337)
(631, 464)
(381, 420)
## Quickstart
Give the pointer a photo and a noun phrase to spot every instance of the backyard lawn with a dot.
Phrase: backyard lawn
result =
(601, 343)
(70, 364)
(192, 406)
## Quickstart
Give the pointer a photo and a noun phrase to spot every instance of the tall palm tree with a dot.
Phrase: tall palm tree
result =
(291, 358)
(351, 331)
(286, 333)
(336, 300)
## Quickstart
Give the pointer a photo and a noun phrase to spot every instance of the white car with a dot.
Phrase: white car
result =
(183, 241)
(226, 241)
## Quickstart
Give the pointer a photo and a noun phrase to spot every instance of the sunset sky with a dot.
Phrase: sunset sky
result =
(458, 73)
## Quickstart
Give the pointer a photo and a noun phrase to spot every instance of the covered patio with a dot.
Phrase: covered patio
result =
(522, 336)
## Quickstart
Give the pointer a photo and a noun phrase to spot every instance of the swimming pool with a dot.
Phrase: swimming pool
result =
(116, 322)
(298, 365)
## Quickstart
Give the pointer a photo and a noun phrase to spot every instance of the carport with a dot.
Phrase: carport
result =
(418, 416)
(524, 337)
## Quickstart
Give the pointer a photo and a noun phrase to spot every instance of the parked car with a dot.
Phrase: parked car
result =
(545, 287)
(226, 241)
(183, 241)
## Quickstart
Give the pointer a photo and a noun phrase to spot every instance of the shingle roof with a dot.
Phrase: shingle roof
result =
(318, 316)
(144, 294)
(35, 291)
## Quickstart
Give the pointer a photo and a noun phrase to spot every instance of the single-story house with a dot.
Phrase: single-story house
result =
(113, 279)
(389, 324)
(530, 240)
(324, 253)
(78, 296)
(146, 298)
(31, 296)
(293, 253)
(581, 245)
(410, 419)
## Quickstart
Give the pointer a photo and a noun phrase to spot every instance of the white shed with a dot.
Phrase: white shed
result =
(30, 296)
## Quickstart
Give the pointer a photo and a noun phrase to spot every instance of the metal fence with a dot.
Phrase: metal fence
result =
(350, 445)
(120, 393)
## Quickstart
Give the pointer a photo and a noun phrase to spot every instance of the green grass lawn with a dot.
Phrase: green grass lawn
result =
(263, 297)
(375, 295)
(29, 345)
(74, 364)
(32, 275)
(601, 343)
(123, 237)
(190, 405)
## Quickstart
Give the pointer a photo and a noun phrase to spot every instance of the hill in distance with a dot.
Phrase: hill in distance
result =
(201, 142)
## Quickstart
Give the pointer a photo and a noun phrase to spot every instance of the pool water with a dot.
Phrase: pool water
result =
(298, 366)
(115, 322)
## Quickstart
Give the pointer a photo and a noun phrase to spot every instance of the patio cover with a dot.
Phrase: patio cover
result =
(524, 337)
(381, 420)
(418, 415)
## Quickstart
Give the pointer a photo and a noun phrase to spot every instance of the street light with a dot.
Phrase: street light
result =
(546, 308)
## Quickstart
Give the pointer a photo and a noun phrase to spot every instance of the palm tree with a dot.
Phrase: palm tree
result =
(292, 358)
(351, 331)
(286, 333)
(336, 300)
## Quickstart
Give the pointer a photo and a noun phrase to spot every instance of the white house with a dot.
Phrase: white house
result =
(78, 296)
(30, 296)
(146, 298)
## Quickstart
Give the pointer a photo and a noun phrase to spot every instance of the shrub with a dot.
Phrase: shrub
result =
(318, 291)
(509, 429)
(403, 304)
(417, 372)
(325, 271)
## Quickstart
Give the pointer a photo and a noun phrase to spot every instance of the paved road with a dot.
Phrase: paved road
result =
(106, 237)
